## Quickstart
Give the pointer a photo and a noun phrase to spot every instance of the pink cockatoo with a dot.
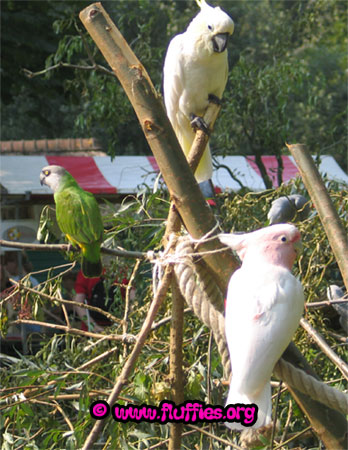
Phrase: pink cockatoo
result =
(263, 309)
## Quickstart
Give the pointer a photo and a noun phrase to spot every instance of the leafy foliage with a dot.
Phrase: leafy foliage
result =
(48, 393)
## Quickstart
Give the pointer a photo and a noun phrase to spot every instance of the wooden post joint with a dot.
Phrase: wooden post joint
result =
(94, 11)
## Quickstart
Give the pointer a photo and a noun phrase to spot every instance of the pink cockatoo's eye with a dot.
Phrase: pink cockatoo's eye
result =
(283, 239)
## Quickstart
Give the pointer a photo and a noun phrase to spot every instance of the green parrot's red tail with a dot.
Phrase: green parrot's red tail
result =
(91, 269)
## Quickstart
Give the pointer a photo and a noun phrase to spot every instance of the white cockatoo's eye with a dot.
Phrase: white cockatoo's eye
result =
(47, 172)
(210, 27)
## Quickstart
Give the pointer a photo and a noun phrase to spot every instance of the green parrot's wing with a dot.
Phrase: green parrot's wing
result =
(78, 215)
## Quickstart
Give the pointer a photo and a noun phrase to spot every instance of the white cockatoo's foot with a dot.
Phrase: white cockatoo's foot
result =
(198, 123)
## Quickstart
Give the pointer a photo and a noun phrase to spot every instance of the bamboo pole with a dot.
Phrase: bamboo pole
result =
(332, 224)
(194, 211)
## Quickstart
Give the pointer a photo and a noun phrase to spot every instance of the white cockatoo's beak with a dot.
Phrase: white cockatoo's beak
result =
(220, 42)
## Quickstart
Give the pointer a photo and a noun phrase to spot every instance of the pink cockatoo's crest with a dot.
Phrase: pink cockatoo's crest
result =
(263, 309)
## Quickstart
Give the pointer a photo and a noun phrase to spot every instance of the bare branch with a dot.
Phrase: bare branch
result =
(112, 337)
(342, 366)
(213, 436)
(28, 73)
(166, 320)
(68, 302)
(40, 247)
(128, 291)
(66, 247)
(324, 303)
(85, 44)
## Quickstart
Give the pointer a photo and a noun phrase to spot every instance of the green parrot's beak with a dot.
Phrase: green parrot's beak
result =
(220, 42)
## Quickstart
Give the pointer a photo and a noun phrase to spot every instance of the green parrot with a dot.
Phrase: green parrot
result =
(78, 216)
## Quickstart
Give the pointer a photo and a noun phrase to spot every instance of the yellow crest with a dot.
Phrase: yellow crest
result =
(202, 3)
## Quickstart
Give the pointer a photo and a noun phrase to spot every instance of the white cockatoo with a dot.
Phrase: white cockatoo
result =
(263, 309)
(195, 72)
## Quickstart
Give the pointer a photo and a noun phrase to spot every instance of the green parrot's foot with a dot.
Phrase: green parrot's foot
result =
(91, 269)
(198, 123)
(214, 99)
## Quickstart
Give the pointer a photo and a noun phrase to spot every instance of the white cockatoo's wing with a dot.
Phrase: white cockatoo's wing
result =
(264, 305)
(173, 79)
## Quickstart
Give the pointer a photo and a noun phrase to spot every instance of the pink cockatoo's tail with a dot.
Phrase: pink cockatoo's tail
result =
(263, 309)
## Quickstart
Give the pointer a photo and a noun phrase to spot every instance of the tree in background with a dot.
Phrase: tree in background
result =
(287, 80)
(289, 83)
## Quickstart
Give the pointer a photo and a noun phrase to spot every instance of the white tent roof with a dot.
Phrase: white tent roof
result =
(125, 174)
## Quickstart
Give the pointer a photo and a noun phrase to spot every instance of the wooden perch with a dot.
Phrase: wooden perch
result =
(332, 224)
(194, 156)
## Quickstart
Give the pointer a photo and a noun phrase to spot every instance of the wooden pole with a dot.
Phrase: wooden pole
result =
(176, 373)
(148, 105)
(332, 224)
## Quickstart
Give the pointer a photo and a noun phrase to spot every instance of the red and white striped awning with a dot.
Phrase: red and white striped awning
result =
(126, 174)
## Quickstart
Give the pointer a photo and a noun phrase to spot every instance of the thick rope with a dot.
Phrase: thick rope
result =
(206, 300)
(203, 296)
(300, 380)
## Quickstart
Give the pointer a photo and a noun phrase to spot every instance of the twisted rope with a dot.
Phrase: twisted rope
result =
(300, 380)
(206, 300)
(203, 296)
